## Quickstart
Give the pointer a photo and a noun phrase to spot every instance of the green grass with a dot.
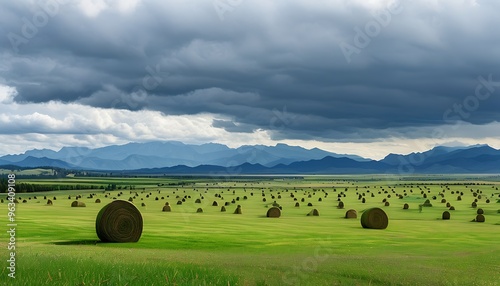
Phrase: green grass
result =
(57, 245)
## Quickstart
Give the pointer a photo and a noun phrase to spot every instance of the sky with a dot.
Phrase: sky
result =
(357, 77)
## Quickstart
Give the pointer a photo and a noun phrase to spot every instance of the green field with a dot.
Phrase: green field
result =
(58, 245)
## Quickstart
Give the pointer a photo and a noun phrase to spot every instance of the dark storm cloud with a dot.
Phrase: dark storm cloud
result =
(272, 65)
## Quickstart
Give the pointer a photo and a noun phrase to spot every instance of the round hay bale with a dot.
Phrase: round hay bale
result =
(340, 205)
(1, 201)
(199, 210)
(480, 218)
(238, 210)
(309, 204)
(119, 221)
(459, 198)
(198, 201)
(49, 202)
(167, 203)
(474, 205)
(297, 204)
(443, 201)
(374, 218)
(143, 204)
(406, 206)
(448, 204)
(314, 212)
(452, 208)
(446, 215)
(167, 208)
(179, 202)
(274, 212)
(215, 204)
(351, 214)
(98, 201)
(78, 204)
(387, 204)
(223, 209)
(480, 211)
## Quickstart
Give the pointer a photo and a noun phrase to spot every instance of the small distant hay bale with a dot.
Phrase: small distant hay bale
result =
(25, 201)
(443, 201)
(98, 201)
(215, 204)
(223, 209)
(179, 202)
(480, 211)
(264, 199)
(448, 204)
(313, 212)
(49, 202)
(130, 199)
(166, 208)
(340, 205)
(199, 210)
(274, 212)
(427, 203)
(309, 204)
(54, 198)
(363, 200)
(238, 210)
(320, 199)
(119, 221)
(387, 204)
(297, 204)
(198, 201)
(452, 208)
(480, 218)
(351, 214)
(78, 204)
(167, 203)
(446, 215)
(459, 198)
(1, 201)
(406, 206)
(488, 201)
(474, 205)
(143, 204)
(227, 204)
(374, 218)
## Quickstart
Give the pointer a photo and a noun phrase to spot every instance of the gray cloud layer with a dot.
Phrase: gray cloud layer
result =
(272, 65)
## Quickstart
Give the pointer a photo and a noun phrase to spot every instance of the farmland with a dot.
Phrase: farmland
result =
(58, 245)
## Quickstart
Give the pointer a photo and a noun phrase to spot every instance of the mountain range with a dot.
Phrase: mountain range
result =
(172, 157)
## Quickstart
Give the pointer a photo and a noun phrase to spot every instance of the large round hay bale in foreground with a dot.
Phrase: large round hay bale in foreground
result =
(314, 212)
(78, 204)
(351, 214)
(480, 218)
(119, 221)
(274, 212)
(374, 218)
(446, 215)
